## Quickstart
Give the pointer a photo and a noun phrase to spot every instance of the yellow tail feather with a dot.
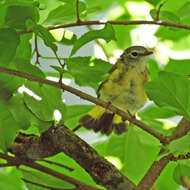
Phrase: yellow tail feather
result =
(99, 119)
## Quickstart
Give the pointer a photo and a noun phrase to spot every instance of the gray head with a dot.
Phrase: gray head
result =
(135, 54)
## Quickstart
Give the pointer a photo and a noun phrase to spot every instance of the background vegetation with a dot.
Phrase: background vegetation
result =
(154, 152)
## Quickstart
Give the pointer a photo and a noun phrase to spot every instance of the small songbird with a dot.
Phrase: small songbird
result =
(123, 87)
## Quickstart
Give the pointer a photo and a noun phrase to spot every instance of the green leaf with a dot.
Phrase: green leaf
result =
(153, 68)
(16, 16)
(43, 33)
(19, 2)
(74, 113)
(166, 16)
(180, 67)
(155, 112)
(171, 91)
(167, 173)
(68, 38)
(180, 146)
(87, 71)
(49, 99)
(166, 33)
(180, 171)
(26, 67)
(9, 40)
(24, 49)
(66, 13)
(135, 144)
(65, 37)
(9, 84)
(184, 11)
(11, 180)
(107, 33)
(45, 179)
(8, 127)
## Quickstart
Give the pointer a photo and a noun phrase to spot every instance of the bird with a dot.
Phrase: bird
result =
(123, 87)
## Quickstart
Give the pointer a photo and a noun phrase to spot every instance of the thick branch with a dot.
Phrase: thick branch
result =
(163, 139)
(153, 173)
(62, 139)
(85, 23)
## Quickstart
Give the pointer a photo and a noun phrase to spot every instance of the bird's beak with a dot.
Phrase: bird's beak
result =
(148, 53)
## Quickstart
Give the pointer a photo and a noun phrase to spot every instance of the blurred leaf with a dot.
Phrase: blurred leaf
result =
(45, 179)
(3, 10)
(43, 33)
(167, 173)
(184, 11)
(87, 71)
(166, 33)
(19, 111)
(155, 112)
(166, 16)
(74, 113)
(153, 68)
(68, 38)
(107, 33)
(9, 40)
(180, 67)
(49, 99)
(9, 84)
(25, 67)
(24, 49)
(171, 91)
(65, 37)
(180, 146)
(66, 13)
(154, 2)
(8, 127)
(132, 148)
(16, 16)
(180, 171)
(19, 2)
(11, 180)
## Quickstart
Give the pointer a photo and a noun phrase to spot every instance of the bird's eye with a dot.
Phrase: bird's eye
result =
(134, 53)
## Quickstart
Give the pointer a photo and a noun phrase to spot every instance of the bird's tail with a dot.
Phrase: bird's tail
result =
(101, 120)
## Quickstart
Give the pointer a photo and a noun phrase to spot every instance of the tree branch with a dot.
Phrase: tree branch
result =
(153, 173)
(44, 186)
(163, 139)
(17, 161)
(96, 22)
(61, 139)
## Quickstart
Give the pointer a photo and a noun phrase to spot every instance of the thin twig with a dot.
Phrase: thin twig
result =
(47, 170)
(36, 49)
(6, 165)
(77, 128)
(97, 22)
(158, 11)
(163, 139)
(44, 186)
(77, 10)
(100, 44)
(58, 164)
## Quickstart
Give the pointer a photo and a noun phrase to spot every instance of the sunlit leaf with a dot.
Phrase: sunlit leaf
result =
(107, 33)
(66, 13)
(171, 91)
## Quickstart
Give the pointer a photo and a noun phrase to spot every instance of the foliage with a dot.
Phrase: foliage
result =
(30, 106)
